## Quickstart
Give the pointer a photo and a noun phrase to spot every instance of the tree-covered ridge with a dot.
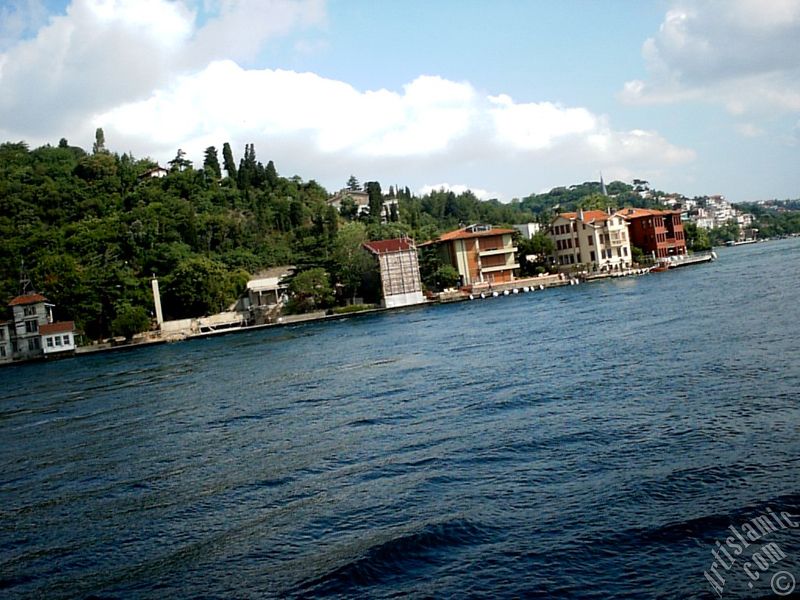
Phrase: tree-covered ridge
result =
(92, 228)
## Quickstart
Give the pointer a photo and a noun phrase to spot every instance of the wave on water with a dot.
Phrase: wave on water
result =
(399, 556)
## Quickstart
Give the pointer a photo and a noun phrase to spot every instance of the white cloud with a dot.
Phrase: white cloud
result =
(749, 130)
(160, 75)
(103, 53)
(738, 53)
(432, 119)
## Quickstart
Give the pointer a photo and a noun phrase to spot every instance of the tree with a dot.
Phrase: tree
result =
(198, 286)
(211, 163)
(696, 237)
(310, 290)
(271, 175)
(351, 261)
(375, 201)
(353, 185)
(447, 276)
(129, 321)
(348, 208)
(540, 247)
(228, 162)
(180, 162)
(247, 167)
(99, 145)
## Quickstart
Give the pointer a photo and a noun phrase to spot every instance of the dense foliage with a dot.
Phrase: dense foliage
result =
(91, 229)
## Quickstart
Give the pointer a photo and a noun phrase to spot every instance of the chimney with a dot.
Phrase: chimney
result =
(580, 214)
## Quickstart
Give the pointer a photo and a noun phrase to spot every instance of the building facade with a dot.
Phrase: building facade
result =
(399, 266)
(658, 233)
(591, 240)
(480, 253)
(58, 338)
(26, 335)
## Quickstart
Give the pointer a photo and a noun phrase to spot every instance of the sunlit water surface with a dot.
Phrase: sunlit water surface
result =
(587, 442)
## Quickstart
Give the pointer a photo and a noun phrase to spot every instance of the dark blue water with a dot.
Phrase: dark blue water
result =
(587, 442)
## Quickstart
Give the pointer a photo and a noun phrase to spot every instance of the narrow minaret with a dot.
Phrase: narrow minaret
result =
(157, 302)
(603, 189)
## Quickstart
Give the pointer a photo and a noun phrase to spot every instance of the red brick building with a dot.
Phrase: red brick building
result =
(659, 233)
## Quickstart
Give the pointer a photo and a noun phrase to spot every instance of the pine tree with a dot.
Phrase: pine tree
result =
(375, 201)
(211, 163)
(272, 175)
(353, 185)
(99, 145)
(228, 162)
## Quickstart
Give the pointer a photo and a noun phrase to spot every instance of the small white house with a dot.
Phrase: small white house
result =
(58, 337)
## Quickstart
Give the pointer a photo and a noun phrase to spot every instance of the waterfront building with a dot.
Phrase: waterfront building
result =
(26, 335)
(658, 233)
(480, 253)
(590, 240)
(399, 267)
(58, 338)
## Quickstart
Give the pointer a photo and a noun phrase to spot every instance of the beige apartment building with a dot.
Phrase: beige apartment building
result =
(591, 240)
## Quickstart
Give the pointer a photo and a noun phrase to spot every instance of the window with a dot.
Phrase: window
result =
(591, 240)
(2, 333)
(31, 344)
(31, 326)
(592, 256)
(49, 342)
(29, 311)
(66, 340)
(2, 351)
(624, 251)
(58, 340)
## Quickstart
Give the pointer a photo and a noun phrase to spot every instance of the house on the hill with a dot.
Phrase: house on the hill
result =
(361, 200)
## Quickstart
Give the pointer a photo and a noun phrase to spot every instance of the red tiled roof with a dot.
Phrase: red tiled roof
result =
(635, 213)
(463, 234)
(386, 246)
(588, 215)
(57, 327)
(27, 299)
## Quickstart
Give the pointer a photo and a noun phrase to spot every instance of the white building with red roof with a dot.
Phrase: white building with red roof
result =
(58, 337)
(27, 335)
(400, 280)
(591, 240)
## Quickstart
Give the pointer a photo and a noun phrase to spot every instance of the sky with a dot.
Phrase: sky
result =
(506, 98)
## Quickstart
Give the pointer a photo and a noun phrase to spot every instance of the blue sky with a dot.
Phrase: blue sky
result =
(505, 98)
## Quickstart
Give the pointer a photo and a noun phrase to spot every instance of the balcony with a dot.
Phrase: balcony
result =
(505, 267)
(496, 251)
